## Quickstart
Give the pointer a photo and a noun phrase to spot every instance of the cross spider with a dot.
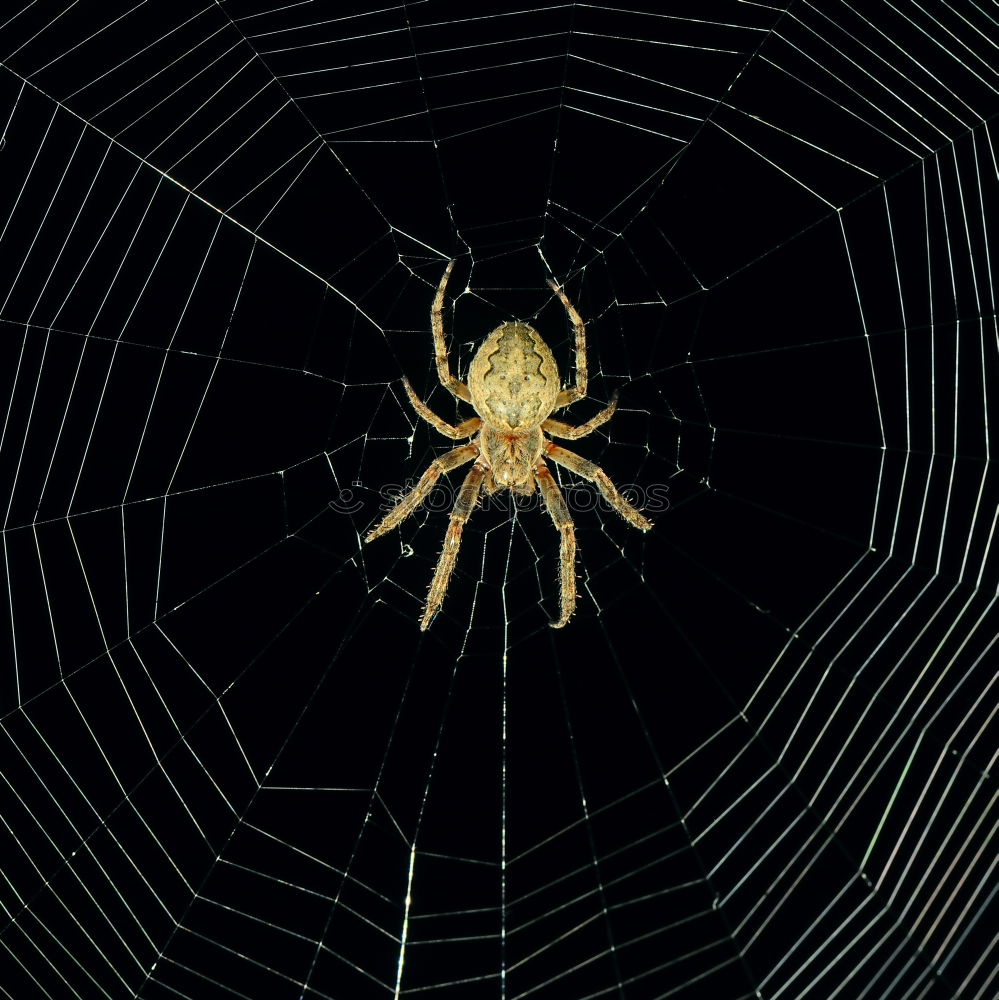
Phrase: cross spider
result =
(513, 385)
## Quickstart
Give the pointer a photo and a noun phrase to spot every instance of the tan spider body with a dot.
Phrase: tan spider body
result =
(513, 384)
(513, 381)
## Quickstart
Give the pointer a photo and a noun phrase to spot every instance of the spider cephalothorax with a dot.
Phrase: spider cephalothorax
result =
(513, 385)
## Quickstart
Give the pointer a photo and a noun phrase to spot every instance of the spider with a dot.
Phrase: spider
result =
(513, 385)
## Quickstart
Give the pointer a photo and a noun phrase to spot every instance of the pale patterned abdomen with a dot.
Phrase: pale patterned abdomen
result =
(513, 378)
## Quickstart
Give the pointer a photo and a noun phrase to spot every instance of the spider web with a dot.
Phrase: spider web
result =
(758, 760)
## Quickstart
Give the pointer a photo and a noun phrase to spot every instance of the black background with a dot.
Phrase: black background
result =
(230, 753)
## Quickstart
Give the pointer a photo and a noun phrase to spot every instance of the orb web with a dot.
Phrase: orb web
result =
(757, 763)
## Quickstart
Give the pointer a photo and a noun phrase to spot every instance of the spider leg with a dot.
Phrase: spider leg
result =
(559, 429)
(454, 385)
(591, 471)
(463, 507)
(465, 429)
(419, 492)
(578, 391)
(556, 505)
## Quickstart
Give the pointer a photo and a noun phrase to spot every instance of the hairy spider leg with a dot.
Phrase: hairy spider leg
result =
(577, 391)
(465, 429)
(416, 496)
(454, 385)
(591, 471)
(556, 505)
(463, 507)
(558, 428)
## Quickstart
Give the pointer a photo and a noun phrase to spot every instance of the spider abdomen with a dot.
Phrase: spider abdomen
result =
(513, 378)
